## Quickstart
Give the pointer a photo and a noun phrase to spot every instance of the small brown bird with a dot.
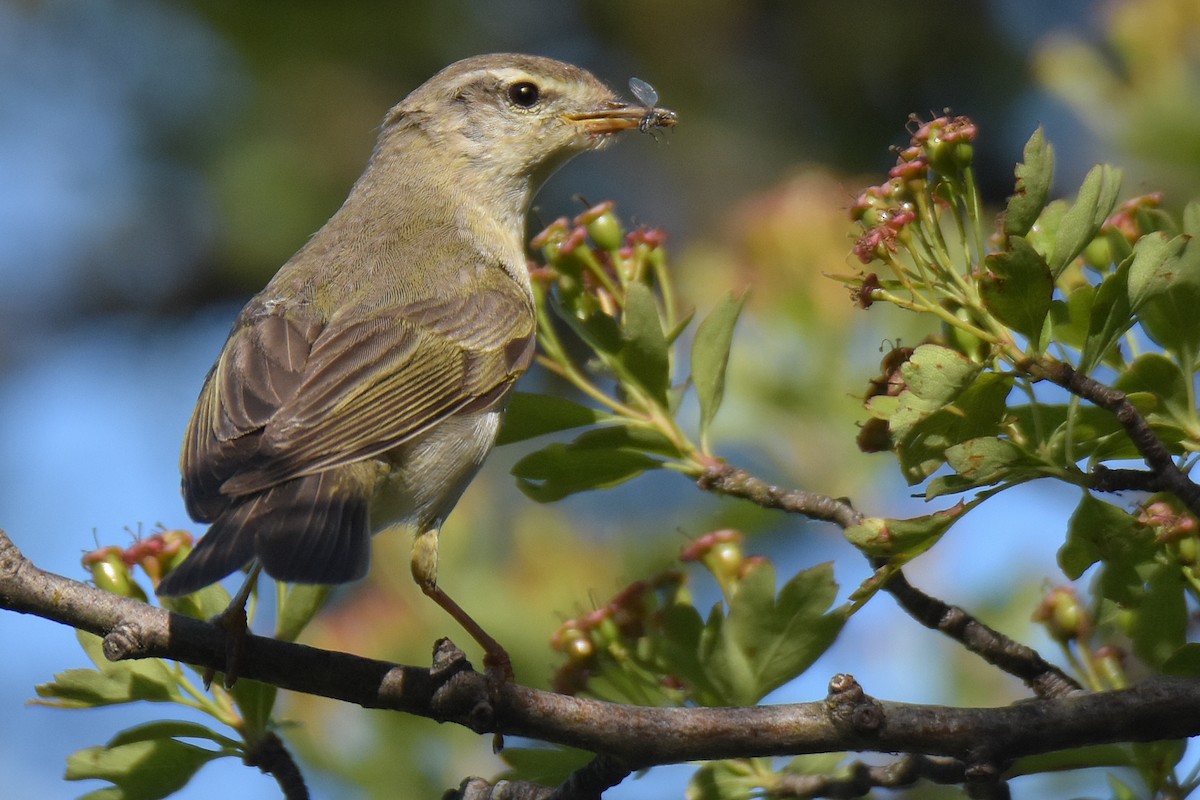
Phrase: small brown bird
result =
(361, 390)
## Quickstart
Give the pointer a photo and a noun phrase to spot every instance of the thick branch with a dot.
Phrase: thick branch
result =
(985, 739)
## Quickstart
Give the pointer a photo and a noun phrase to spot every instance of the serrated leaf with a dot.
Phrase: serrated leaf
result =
(984, 461)
(644, 354)
(902, 539)
(1159, 376)
(766, 640)
(679, 650)
(1164, 290)
(143, 770)
(1017, 288)
(112, 683)
(530, 415)
(1100, 531)
(1080, 224)
(1034, 176)
(947, 401)
(1110, 317)
(710, 355)
(593, 461)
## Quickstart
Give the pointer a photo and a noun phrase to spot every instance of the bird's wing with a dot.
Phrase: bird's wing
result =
(290, 397)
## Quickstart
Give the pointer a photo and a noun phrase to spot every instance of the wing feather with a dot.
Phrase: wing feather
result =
(291, 396)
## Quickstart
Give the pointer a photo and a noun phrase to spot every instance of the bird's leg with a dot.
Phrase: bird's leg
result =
(234, 624)
(424, 569)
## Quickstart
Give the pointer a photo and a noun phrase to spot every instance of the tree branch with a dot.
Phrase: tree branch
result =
(735, 482)
(984, 739)
(994, 647)
(1151, 448)
(1045, 679)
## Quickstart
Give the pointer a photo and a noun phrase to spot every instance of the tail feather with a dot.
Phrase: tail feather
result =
(312, 529)
(228, 546)
(319, 533)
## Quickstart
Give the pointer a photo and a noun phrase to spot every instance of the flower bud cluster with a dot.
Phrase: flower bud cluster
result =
(610, 633)
(590, 258)
(940, 147)
(156, 555)
(1177, 530)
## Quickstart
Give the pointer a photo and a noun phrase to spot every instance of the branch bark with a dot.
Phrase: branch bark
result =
(986, 740)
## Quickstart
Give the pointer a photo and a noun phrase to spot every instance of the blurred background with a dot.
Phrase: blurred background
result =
(160, 159)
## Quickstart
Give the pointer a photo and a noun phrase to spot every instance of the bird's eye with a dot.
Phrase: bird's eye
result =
(524, 94)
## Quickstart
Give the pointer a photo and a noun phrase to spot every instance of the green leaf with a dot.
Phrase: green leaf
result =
(173, 729)
(1100, 531)
(767, 640)
(902, 539)
(1158, 376)
(1191, 219)
(710, 355)
(1017, 288)
(1100, 755)
(297, 606)
(1160, 622)
(598, 330)
(141, 770)
(1096, 200)
(984, 461)
(644, 354)
(1034, 176)
(1184, 662)
(1164, 292)
(1109, 319)
(946, 401)
(149, 679)
(1069, 319)
(548, 766)
(530, 415)
(596, 460)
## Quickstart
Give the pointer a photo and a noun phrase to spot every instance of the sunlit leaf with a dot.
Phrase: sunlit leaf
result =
(1016, 287)
(710, 354)
(547, 766)
(113, 682)
(595, 461)
(902, 538)
(644, 352)
(1095, 202)
(531, 415)
(1034, 176)
(1164, 292)
(767, 640)
(1110, 317)
(142, 770)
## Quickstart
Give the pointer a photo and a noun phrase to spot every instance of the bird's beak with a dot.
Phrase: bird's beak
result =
(614, 117)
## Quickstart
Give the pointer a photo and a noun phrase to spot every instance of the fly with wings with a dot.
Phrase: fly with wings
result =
(361, 390)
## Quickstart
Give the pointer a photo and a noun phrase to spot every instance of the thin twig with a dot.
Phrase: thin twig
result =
(1151, 448)
(735, 482)
(1045, 679)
